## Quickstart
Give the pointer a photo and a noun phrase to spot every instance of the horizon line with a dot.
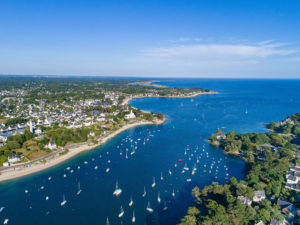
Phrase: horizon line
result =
(148, 77)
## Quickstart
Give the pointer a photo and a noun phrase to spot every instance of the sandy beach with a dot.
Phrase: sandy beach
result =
(12, 173)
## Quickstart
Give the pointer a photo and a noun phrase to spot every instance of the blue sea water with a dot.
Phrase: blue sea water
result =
(190, 122)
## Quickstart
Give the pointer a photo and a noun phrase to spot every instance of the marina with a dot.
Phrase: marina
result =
(147, 187)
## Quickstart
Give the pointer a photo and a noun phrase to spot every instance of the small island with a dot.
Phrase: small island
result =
(269, 194)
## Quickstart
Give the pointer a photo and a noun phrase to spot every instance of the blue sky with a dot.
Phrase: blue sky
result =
(245, 39)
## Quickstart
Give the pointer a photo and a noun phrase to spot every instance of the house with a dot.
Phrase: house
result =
(290, 179)
(259, 196)
(131, 115)
(294, 187)
(263, 146)
(220, 135)
(51, 145)
(38, 131)
(245, 200)
(276, 222)
(3, 138)
(6, 164)
(92, 134)
(288, 209)
(13, 159)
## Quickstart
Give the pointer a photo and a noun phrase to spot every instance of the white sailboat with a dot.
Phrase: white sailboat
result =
(133, 217)
(144, 194)
(79, 189)
(153, 184)
(158, 197)
(161, 176)
(64, 201)
(107, 170)
(185, 167)
(170, 172)
(118, 190)
(131, 202)
(165, 206)
(47, 198)
(173, 193)
(121, 212)
(6, 221)
(107, 221)
(126, 156)
(149, 209)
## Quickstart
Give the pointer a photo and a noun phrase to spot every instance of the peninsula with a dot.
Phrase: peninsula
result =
(269, 192)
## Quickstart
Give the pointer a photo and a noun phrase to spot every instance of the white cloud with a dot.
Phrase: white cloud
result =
(185, 39)
(217, 51)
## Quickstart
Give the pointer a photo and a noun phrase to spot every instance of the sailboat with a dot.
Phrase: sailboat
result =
(107, 170)
(170, 172)
(133, 217)
(149, 209)
(153, 184)
(173, 193)
(165, 206)
(185, 167)
(144, 194)
(126, 156)
(131, 202)
(118, 190)
(6, 221)
(47, 198)
(161, 176)
(121, 212)
(79, 189)
(158, 197)
(64, 201)
(107, 221)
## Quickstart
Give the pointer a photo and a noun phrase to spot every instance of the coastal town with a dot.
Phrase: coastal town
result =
(42, 120)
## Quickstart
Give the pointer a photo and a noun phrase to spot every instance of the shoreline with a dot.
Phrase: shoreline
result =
(129, 98)
(13, 173)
